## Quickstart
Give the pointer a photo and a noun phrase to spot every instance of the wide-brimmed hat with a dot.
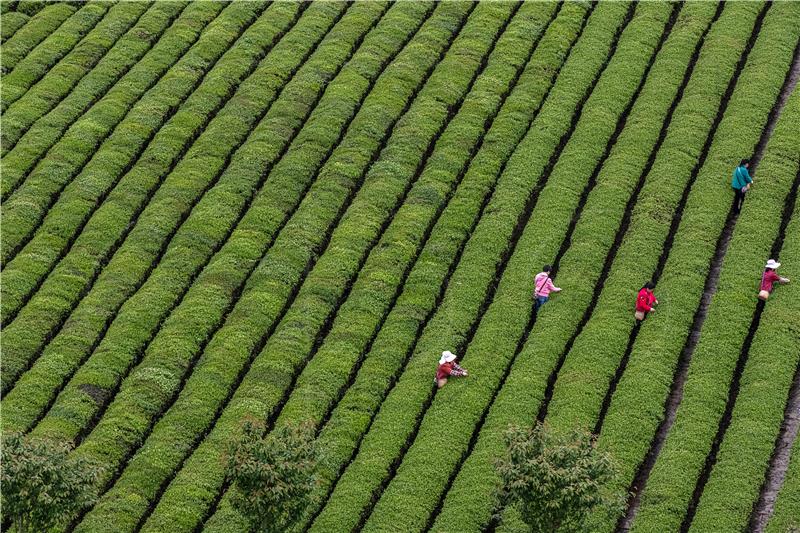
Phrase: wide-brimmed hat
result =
(447, 357)
(772, 264)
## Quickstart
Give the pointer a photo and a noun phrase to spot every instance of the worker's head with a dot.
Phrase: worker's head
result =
(447, 357)
(772, 265)
(745, 163)
(649, 286)
(547, 268)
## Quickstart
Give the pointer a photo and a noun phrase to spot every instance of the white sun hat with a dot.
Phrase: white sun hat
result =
(772, 264)
(447, 357)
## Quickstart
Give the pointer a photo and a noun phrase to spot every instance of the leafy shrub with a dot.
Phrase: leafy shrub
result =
(42, 486)
(555, 480)
(273, 475)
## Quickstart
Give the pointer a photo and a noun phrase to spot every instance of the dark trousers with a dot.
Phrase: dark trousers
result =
(540, 301)
(738, 200)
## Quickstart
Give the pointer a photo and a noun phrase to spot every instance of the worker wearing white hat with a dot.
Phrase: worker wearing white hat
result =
(769, 277)
(447, 367)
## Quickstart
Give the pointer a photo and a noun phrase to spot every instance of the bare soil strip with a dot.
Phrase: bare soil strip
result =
(682, 369)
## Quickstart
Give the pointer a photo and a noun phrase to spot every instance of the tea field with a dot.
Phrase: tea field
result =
(285, 211)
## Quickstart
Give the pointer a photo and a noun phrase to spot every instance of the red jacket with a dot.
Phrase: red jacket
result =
(769, 277)
(449, 369)
(645, 300)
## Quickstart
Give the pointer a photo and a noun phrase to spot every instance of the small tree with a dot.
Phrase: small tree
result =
(555, 481)
(42, 486)
(273, 476)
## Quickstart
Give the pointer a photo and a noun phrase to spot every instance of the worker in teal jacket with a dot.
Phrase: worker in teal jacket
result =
(741, 183)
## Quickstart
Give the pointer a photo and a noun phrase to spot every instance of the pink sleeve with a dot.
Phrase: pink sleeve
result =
(550, 285)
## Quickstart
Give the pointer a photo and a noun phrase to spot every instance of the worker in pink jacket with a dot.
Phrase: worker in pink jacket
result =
(543, 286)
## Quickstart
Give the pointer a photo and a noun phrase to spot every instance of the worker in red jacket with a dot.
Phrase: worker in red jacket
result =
(646, 301)
(447, 367)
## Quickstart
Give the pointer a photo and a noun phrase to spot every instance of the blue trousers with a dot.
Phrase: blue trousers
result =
(540, 301)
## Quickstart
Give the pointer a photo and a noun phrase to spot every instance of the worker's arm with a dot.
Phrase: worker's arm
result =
(457, 371)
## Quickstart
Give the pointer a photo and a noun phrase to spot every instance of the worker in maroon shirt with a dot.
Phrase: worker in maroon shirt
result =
(769, 277)
(645, 301)
(448, 367)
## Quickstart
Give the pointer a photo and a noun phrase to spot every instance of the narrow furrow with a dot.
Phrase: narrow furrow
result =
(384, 359)
(33, 327)
(395, 423)
(156, 24)
(173, 351)
(37, 29)
(62, 78)
(37, 63)
(780, 462)
(232, 186)
(100, 128)
(133, 222)
(787, 504)
(377, 191)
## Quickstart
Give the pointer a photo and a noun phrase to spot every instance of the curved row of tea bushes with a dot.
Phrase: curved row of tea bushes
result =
(469, 503)
(145, 209)
(425, 473)
(383, 272)
(395, 423)
(47, 56)
(159, 23)
(12, 22)
(31, 7)
(61, 79)
(38, 28)
(32, 327)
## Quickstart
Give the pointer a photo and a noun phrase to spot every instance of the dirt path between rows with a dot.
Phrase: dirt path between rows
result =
(779, 462)
(682, 369)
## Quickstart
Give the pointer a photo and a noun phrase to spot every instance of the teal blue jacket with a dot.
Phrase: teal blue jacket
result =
(741, 177)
